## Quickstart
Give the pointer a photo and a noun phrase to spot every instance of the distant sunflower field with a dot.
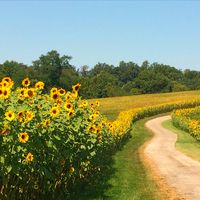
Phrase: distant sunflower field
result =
(50, 142)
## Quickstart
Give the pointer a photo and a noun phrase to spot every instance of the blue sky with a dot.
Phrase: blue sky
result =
(102, 31)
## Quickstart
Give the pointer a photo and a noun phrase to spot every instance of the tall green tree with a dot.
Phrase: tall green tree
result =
(51, 67)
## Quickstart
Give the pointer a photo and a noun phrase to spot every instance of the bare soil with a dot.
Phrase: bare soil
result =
(177, 174)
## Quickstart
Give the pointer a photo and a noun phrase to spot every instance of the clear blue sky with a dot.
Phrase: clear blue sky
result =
(102, 31)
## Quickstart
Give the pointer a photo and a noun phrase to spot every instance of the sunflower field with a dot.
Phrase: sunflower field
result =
(188, 120)
(50, 142)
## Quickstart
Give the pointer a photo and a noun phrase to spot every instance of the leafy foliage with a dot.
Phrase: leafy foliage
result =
(103, 80)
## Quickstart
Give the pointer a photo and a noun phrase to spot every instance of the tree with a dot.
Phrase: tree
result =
(17, 71)
(51, 66)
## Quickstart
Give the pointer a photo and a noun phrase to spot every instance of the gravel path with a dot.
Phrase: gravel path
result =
(180, 171)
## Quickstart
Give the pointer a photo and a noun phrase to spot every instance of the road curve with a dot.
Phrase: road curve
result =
(179, 170)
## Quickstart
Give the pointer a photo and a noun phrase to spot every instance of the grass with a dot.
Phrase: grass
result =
(125, 178)
(113, 105)
(185, 142)
(131, 180)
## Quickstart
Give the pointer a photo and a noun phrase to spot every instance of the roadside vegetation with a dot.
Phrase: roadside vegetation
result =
(185, 142)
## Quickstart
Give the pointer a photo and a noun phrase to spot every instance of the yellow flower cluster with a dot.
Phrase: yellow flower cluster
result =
(39, 130)
(5, 87)
(124, 120)
(188, 120)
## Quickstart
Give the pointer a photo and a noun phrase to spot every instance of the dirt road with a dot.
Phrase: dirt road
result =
(180, 171)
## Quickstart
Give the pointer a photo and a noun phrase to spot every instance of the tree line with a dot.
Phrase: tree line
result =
(103, 80)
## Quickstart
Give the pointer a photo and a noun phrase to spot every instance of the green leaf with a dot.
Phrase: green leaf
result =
(9, 168)
(2, 159)
(93, 140)
(93, 153)
(82, 147)
(57, 137)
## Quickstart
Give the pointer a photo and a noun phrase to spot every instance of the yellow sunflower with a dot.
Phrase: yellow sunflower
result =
(6, 93)
(9, 80)
(92, 129)
(20, 116)
(70, 113)
(46, 122)
(23, 137)
(76, 87)
(71, 170)
(53, 90)
(93, 117)
(54, 95)
(29, 157)
(26, 82)
(30, 93)
(68, 106)
(61, 92)
(29, 115)
(39, 85)
(21, 92)
(1, 92)
(10, 115)
(54, 111)
(69, 96)
(5, 84)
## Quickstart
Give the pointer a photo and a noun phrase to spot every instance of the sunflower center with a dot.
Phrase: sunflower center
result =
(30, 93)
(55, 96)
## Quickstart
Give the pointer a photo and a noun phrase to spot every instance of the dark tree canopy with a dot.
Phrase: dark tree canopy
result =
(103, 80)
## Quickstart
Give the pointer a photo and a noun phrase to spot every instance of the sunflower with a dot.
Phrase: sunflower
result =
(92, 129)
(30, 92)
(74, 94)
(23, 137)
(55, 95)
(70, 113)
(93, 117)
(39, 85)
(59, 102)
(71, 170)
(9, 80)
(1, 92)
(26, 82)
(46, 122)
(54, 111)
(5, 130)
(20, 116)
(68, 106)
(29, 115)
(6, 93)
(21, 92)
(53, 90)
(97, 103)
(29, 157)
(76, 87)
(10, 115)
(68, 96)
(5, 84)
(61, 92)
